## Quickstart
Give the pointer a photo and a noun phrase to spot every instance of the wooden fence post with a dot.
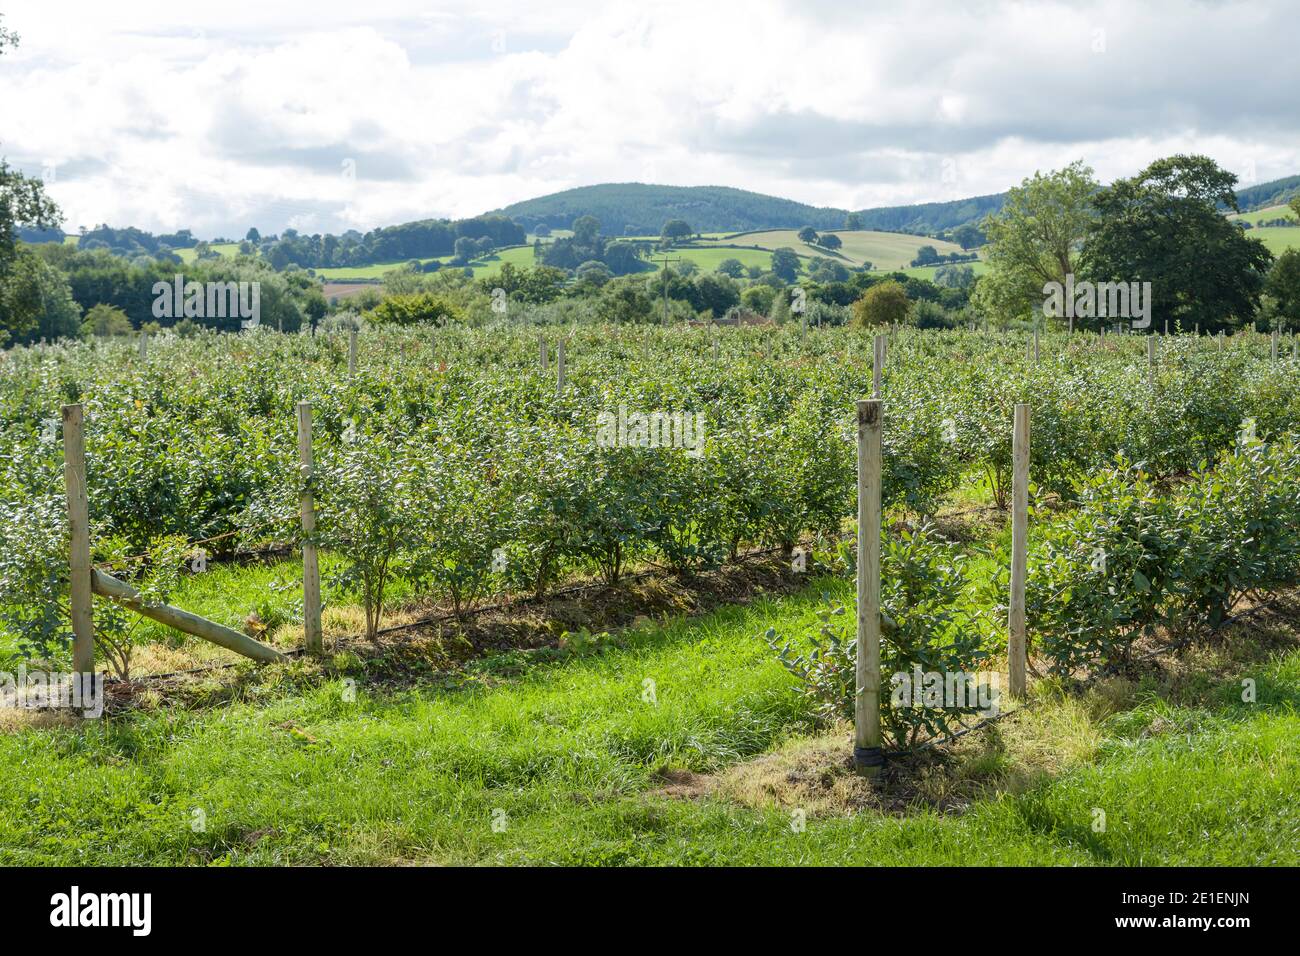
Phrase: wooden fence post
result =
(867, 756)
(144, 346)
(311, 610)
(1151, 359)
(352, 354)
(541, 351)
(1035, 346)
(1016, 645)
(877, 365)
(74, 478)
(559, 369)
(183, 621)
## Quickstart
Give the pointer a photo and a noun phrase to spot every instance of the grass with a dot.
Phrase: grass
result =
(572, 760)
(709, 259)
(227, 249)
(927, 272)
(521, 256)
(1269, 213)
(886, 251)
(1278, 239)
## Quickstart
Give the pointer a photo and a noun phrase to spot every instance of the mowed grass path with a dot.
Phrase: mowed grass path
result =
(566, 758)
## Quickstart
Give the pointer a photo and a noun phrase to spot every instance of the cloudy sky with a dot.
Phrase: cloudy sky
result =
(326, 116)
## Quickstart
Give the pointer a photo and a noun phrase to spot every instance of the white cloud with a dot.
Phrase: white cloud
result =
(331, 116)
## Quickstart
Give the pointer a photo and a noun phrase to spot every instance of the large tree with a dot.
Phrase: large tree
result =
(675, 230)
(23, 304)
(1166, 226)
(785, 263)
(1284, 286)
(967, 235)
(1035, 239)
(35, 301)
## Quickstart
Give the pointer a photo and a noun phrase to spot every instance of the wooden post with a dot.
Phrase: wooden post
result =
(877, 365)
(715, 346)
(352, 353)
(1275, 336)
(559, 369)
(1070, 325)
(867, 757)
(311, 610)
(144, 346)
(1016, 645)
(1035, 346)
(74, 478)
(183, 621)
(541, 350)
(1151, 359)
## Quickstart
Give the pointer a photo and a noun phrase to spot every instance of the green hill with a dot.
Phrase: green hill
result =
(634, 209)
(638, 209)
(1275, 193)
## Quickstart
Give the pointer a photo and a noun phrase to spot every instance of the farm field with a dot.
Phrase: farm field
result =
(886, 251)
(927, 272)
(709, 259)
(227, 249)
(1267, 213)
(1278, 239)
(521, 256)
(478, 735)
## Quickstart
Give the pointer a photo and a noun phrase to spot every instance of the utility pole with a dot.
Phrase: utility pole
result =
(665, 262)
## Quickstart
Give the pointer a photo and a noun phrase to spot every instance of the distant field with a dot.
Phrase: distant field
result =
(709, 259)
(1271, 212)
(927, 272)
(1277, 238)
(521, 256)
(227, 249)
(884, 250)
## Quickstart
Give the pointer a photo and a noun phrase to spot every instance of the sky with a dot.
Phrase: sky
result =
(329, 116)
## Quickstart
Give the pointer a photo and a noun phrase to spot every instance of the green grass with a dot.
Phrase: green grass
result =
(1270, 213)
(567, 755)
(927, 272)
(709, 259)
(1278, 239)
(884, 250)
(521, 256)
(227, 249)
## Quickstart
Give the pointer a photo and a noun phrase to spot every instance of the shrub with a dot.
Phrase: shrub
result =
(420, 308)
(885, 303)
